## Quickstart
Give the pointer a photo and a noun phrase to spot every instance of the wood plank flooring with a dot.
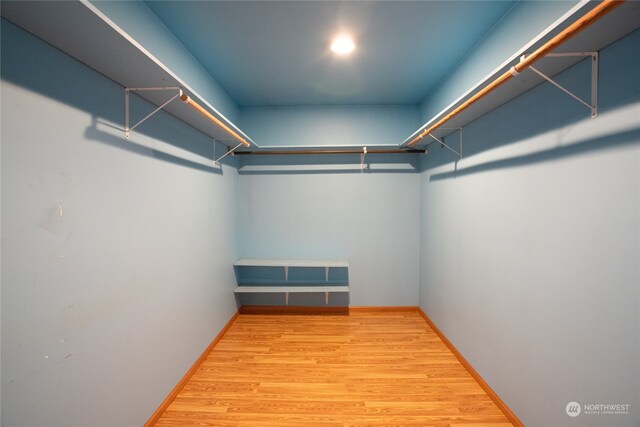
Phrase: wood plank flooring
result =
(383, 369)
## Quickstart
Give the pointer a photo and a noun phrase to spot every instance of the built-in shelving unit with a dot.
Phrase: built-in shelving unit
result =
(79, 29)
(611, 27)
(286, 276)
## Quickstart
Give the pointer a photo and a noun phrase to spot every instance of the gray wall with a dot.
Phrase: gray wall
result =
(530, 246)
(116, 255)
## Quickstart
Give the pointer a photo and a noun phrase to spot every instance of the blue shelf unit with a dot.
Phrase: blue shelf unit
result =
(285, 276)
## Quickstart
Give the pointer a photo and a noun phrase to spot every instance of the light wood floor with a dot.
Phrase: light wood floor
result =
(363, 369)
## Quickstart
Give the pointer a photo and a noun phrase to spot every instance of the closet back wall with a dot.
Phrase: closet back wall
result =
(324, 207)
(360, 125)
(116, 255)
(370, 219)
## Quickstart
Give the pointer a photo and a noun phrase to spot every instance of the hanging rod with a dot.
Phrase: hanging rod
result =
(193, 104)
(589, 18)
(293, 152)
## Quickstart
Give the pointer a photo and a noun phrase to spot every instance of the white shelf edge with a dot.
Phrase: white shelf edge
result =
(566, 19)
(326, 147)
(181, 82)
(43, 20)
(391, 167)
(244, 289)
(267, 262)
(486, 79)
(194, 94)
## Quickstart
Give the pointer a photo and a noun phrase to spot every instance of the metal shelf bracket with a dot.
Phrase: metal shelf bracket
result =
(229, 151)
(127, 90)
(362, 159)
(593, 106)
(443, 144)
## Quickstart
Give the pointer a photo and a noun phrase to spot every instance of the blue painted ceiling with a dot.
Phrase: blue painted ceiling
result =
(272, 53)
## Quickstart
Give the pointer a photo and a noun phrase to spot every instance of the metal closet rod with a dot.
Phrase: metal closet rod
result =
(589, 18)
(193, 104)
(288, 152)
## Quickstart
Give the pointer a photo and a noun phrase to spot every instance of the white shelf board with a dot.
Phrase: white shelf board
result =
(83, 32)
(392, 167)
(247, 289)
(80, 30)
(341, 147)
(613, 26)
(255, 262)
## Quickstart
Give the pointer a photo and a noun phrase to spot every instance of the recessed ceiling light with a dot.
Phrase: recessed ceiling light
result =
(343, 45)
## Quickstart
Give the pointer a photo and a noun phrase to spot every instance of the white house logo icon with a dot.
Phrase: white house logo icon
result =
(573, 409)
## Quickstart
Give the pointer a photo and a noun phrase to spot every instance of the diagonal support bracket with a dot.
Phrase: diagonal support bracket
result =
(593, 106)
(128, 90)
(217, 161)
(442, 143)
(362, 159)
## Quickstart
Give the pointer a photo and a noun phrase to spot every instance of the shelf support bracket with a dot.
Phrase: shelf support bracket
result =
(217, 161)
(593, 106)
(362, 158)
(446, 146)
(128, 90)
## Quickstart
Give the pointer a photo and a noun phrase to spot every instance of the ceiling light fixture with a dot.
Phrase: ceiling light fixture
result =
(343, 45)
